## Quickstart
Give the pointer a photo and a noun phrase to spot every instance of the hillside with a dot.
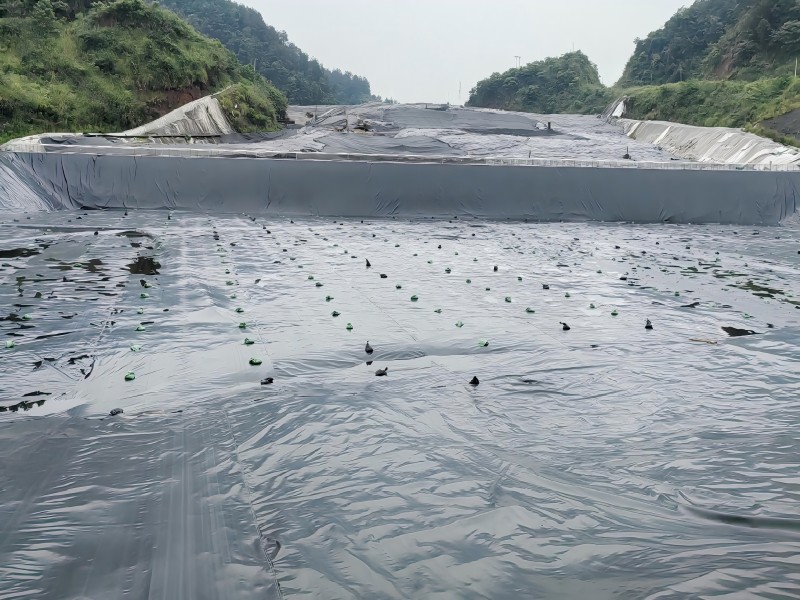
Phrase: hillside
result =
(569, 83)
(243, 31)
(104, 67)
(749, 105)
(726, 63)
(719, 39)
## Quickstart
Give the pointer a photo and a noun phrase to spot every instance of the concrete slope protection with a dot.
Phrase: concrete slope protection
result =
(398, 160)
(584, 460)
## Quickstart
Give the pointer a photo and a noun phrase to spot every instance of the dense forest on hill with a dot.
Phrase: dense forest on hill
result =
(569, 83)
(90, 65)
(719, 39)
(243, 31)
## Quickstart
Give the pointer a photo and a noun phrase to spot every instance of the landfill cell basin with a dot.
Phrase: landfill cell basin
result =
(259, 455)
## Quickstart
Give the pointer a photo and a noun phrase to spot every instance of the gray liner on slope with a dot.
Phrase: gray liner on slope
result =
(341, 188)
(203, 116)
(21, 189)
(722, 145)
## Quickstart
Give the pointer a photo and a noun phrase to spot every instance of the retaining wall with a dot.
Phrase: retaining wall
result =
(381, 189)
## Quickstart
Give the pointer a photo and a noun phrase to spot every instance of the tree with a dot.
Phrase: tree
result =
(566, 84)
(44, 18)
(762, 32)
(788, 36)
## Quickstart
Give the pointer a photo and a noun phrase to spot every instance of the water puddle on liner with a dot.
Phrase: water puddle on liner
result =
(19, 253)
(144, 265)
(736, 332)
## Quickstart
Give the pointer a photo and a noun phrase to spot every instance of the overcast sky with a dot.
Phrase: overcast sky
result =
(419, 50)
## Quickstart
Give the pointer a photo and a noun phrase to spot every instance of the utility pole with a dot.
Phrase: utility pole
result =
(459, 93)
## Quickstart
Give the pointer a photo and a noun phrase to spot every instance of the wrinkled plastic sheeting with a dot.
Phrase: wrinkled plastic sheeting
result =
(592, 143)
(640, 463)
(443, 131)
(403, 116)
(720, 145)
(615, 110)
(113, 509)
(408, 145)
(472, 132)
(21, 190)
(282, 141)
(201, 117)
(369, 189)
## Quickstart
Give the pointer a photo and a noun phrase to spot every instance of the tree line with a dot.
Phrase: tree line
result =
(270, 52)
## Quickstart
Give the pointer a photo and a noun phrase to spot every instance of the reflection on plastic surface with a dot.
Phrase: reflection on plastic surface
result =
(607, 461)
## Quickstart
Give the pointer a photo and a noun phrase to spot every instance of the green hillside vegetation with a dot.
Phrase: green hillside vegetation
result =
(99, 66)
(567, 84)
(253, 105)
(725, 63)
(719, 39)
(742, 104)
(719, 63)
(242, 30)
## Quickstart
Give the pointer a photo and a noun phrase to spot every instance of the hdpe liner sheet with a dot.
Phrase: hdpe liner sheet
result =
(383, 118)
(370, 189)
(607, 461)
(399, 130)
(712, 144)
(412, 129)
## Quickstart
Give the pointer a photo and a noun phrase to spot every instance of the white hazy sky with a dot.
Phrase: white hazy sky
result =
(419, 50)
